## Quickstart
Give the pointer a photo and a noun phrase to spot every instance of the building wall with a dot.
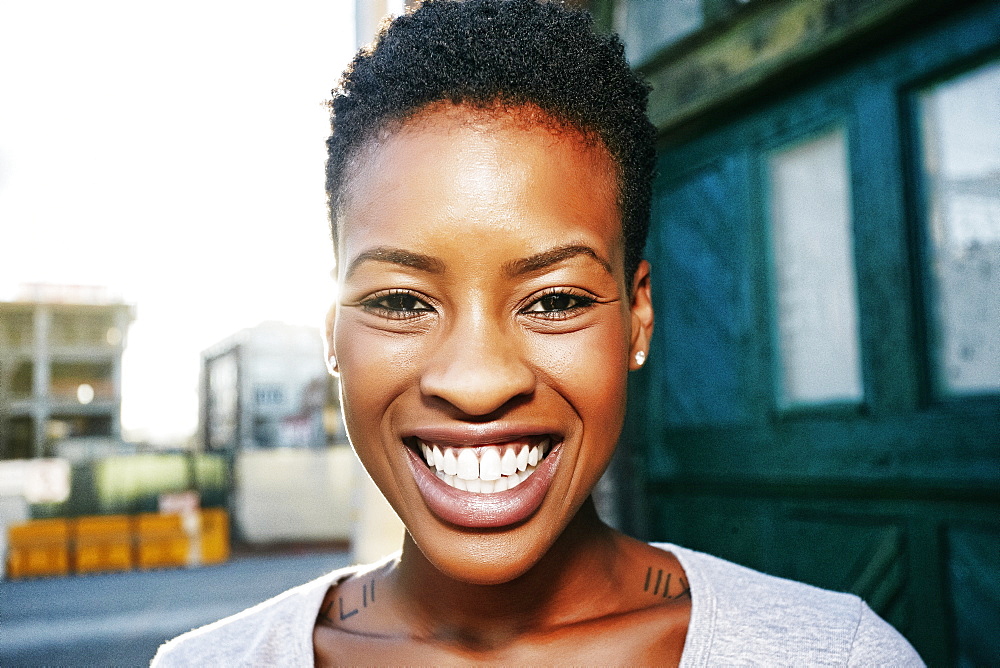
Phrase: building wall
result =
(60, 371)
(266, 387)
(806, 409)
(268, 404)
(290, 495)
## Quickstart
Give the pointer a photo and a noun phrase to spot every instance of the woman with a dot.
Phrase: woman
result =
(489, 180)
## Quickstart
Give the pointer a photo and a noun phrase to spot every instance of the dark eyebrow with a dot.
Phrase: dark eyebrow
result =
(548, 258)
(398, 256)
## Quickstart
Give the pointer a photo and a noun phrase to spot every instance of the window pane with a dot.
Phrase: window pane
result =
(961, 133)
(646, 26)
(814, 272)
(17, 327)
(67, 377)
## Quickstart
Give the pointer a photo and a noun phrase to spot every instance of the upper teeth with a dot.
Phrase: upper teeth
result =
(489, 469)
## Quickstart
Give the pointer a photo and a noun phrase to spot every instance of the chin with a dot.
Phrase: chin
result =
(486, 559)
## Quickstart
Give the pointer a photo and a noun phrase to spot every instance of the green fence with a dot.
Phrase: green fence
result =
(133, 483)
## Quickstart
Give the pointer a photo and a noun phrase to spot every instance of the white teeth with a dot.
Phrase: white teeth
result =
(484, 470)
(508, 462)
(468, 464)
(489, 463)
(522, 458)
(450, 461)
(486, 486)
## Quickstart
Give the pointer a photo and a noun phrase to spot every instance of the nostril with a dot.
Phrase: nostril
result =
(478, 384)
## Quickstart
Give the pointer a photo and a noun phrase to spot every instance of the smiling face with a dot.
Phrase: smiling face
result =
(484, 331)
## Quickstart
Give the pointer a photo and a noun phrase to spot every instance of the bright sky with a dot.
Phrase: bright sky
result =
(172, 151)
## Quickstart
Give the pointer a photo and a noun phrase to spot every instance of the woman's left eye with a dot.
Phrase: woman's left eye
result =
(558, 303)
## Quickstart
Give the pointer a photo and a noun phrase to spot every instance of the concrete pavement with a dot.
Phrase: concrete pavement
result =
(120, 619)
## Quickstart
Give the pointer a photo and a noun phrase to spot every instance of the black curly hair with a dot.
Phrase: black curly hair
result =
(498, 54)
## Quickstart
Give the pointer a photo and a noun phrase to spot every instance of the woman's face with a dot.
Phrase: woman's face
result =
(484, 324)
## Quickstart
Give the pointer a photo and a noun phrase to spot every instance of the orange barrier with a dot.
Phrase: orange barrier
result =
(38, 547)
(103, 543)
(214, 536)
(161, 541)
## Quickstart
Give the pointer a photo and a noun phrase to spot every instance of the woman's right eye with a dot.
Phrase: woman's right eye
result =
(396, 304)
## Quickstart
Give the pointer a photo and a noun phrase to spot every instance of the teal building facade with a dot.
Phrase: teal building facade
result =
(822, 396)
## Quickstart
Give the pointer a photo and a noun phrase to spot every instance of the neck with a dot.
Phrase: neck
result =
(573, 581)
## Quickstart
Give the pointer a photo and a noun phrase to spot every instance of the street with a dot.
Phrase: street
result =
(120, 619)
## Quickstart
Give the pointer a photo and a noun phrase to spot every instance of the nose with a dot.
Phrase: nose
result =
(477, 368)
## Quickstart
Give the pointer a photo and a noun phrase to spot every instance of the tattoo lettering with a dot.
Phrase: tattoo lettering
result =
(685, 589)
(344, 615)
(324, 614)
(660, 580)
(367, 596)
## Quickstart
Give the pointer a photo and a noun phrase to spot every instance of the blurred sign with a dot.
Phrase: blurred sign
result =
(12, 477)
(37, 480)
(179, 503)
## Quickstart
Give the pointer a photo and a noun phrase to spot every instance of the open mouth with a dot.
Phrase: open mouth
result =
(484, 484)
(485, 469)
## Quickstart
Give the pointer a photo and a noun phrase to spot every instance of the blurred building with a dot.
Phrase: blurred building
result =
(268, 387)
(822, 396)
(60, 367)
(271, 407)
(368, 15)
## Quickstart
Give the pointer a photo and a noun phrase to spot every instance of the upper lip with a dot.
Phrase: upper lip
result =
(459, 435)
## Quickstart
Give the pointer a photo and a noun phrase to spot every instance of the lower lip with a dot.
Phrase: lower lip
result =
(484, 511)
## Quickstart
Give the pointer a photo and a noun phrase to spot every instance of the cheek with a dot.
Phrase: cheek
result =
(374, 370)
(590, 369)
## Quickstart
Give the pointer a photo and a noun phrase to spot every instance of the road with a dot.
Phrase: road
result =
(120, 619)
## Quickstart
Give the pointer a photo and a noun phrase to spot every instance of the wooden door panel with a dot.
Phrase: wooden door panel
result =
(896, 499)
(866, 556)
(973, 565)
(703, 290)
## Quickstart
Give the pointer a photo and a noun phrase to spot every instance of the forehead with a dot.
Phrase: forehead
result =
(485, 171)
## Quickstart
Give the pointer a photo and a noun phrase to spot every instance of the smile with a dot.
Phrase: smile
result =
(485, 469)
(483, 480)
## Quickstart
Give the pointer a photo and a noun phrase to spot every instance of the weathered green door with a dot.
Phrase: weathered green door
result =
(822, 399)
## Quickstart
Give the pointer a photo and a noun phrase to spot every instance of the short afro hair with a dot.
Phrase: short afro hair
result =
(501, 54)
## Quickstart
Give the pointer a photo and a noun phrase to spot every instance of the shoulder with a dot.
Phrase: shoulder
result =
(741, 616)
(877, 643)
(275, 632)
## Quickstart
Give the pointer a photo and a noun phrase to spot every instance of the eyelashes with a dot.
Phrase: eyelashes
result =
(551, 304)
(559, 304)
(396, 305)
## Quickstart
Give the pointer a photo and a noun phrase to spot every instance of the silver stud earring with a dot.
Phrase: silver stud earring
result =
(331, 364)
(640, 358)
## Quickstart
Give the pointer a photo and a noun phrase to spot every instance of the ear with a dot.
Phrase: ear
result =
(328, 349)
(642, 315)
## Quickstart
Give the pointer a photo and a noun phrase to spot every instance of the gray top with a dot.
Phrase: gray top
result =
(739, 617)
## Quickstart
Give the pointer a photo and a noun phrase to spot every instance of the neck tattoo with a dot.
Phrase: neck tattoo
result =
(658, 585)
(367, 597)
